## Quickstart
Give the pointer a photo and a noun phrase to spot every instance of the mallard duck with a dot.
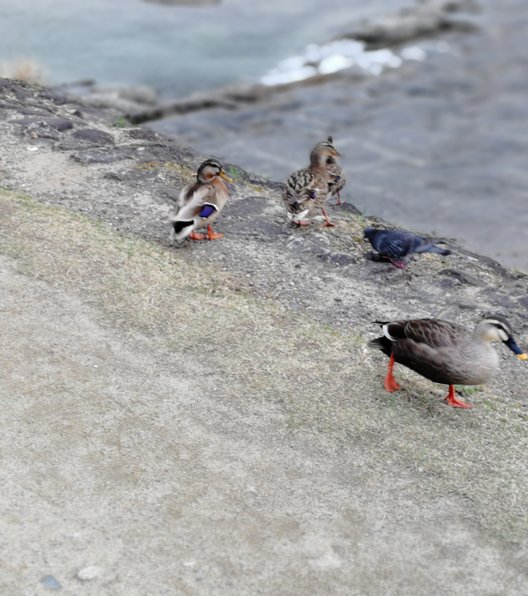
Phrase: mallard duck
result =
(308, 189)
(444, 352)
(398, 246)
(200, 203)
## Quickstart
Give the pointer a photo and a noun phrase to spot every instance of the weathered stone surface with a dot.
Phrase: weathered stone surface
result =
(455, 277)
(56, 97)
(94, 136)
(59, 124)
(142, 134)
(44, 127)
(424, 18)
(126, 99)
(103, 155)
(249, 207)
(339, 259)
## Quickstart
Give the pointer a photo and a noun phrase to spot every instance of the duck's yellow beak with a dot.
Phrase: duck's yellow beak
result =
(225, 177)
(522, 356)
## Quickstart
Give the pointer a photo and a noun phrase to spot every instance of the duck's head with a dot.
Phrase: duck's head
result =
(210, 170)
(497, 328)
(324, 152)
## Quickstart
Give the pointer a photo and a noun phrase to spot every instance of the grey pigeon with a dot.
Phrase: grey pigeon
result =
(398, 246)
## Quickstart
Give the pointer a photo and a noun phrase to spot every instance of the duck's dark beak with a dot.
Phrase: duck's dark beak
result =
(512, 344)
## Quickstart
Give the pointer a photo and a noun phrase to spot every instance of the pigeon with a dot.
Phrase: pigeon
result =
(398, 246)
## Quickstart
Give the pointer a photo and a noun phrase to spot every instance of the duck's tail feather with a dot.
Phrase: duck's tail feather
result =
(181, 229)
(381, 343)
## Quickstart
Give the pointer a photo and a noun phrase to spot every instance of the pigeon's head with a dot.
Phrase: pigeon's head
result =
(369, 233)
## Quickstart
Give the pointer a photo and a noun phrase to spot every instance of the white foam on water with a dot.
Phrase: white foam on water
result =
(413, 53)
(336, 56)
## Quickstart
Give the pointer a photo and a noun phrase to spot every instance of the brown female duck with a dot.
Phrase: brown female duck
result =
(307, 189)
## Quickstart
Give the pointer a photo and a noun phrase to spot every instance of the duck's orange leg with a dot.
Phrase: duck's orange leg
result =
(196, 236)
(339, 201)
(390, 382)
(327, 223)
(453, 401)
(211, 235)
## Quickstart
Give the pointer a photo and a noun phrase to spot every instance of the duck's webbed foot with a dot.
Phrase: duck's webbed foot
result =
(327, 223)
(212, 235)
(453, 401)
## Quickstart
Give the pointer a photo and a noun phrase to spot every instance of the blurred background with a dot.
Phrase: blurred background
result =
(174, 47)
(426, 100)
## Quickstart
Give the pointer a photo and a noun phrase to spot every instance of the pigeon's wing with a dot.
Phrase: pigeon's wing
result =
(430, 246)
(392, 244)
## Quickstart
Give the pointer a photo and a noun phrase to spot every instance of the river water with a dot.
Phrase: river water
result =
(175, 49)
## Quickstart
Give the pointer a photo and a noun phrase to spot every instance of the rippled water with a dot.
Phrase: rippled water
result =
(174, 49)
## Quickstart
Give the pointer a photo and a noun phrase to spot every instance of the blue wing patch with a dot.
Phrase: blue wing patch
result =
(207, 210)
